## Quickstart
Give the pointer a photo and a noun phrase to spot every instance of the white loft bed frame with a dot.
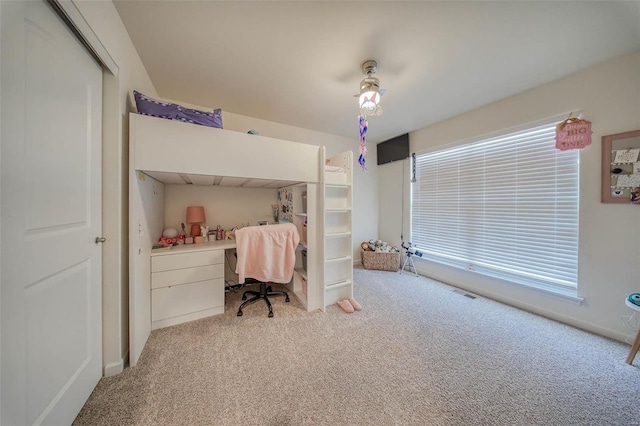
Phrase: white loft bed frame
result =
(170, 146)
(176, 152)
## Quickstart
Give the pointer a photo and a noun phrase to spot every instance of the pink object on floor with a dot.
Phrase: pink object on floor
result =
(267, 253)
(346, 306)
(355, 304)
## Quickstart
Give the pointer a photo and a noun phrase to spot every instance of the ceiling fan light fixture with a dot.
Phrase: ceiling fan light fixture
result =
(369, 99)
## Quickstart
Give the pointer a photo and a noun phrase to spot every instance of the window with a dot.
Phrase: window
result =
(505, 207)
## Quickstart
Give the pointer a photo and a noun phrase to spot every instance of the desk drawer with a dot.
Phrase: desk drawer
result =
(188, 275)
(168, 262)
(168, 302)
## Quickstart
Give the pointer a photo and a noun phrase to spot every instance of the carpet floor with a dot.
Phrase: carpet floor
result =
(417, 354)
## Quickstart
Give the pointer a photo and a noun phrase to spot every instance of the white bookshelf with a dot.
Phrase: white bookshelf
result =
(337, 230)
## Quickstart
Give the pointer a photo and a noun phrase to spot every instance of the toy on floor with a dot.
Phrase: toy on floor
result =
(378, 246)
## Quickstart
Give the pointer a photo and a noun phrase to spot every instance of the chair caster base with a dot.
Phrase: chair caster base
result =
(263, 294)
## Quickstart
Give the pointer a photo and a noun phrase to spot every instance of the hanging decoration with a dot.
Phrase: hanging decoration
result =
(362, 123)
(413, 168)
(573, 133)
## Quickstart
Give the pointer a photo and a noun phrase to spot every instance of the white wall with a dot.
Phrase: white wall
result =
(609, 235)
(393, 196)
(224, 206)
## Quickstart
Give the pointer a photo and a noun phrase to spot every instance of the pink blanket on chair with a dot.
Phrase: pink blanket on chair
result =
(267, 253)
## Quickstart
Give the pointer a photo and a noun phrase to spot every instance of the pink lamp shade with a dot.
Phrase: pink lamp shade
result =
(195, 216)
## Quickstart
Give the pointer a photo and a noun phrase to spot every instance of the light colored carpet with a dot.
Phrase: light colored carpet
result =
(417, 354)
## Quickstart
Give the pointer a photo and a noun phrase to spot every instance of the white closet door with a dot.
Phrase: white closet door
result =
(50, 162)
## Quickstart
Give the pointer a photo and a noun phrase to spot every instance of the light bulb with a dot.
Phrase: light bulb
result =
(368, 99)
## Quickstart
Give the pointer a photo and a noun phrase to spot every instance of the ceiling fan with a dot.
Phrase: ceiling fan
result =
(370, 92)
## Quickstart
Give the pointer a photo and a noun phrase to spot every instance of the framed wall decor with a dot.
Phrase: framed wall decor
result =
(621, 168)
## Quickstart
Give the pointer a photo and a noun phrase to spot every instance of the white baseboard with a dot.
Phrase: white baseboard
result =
(115, 367)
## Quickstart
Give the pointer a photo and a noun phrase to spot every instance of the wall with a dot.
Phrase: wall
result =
(609, 235)
(224, 206)
(392, 191)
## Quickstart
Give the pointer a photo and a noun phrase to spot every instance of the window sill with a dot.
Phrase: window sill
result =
(567, 295)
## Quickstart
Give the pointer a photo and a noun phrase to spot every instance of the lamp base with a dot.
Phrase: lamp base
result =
(195, 230)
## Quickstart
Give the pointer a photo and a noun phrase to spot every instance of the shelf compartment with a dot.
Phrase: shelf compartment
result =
(337, 235)
(302, 272)
(338, 259)
(337, 223)
(338, 291)
(300, 286)
(337, 248)
(338, 270)
(302, 298)
(337, 197)
(338, 284)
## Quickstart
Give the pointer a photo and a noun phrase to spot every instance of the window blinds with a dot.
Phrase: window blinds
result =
(505, 206)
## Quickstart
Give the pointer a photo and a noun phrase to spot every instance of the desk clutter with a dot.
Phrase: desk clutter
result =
(200, 232)
(173, 237)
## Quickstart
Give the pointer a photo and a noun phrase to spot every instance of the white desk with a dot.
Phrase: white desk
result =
(187, 282)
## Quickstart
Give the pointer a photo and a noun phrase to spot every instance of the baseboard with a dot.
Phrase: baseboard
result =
(535, 309)
(115, 367)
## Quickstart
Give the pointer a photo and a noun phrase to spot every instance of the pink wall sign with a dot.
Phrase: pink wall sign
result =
(573, 133)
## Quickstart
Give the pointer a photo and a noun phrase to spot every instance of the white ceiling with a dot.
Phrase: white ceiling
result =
(298, 62)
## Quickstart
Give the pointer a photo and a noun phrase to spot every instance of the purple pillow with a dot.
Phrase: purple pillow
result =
(171, 111)
(154, 108)
(204, 118)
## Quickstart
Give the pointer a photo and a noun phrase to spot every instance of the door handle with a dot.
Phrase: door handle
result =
(100, 240)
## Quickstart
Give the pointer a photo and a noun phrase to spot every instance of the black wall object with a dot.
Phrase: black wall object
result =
(393, 149)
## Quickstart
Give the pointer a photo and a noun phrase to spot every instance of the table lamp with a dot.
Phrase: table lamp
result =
(195, 216)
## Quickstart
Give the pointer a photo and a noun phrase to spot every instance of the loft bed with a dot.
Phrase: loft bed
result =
(175, 152)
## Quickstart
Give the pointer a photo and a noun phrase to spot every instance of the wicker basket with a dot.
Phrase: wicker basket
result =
(380, 261)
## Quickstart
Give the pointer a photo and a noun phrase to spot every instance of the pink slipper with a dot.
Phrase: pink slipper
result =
(346, 306)
(355, 304)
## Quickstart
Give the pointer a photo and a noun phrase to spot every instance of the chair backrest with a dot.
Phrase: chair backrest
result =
(267, 253)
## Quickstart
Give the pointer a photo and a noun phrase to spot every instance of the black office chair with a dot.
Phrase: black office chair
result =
(281, 242)
(263, 294)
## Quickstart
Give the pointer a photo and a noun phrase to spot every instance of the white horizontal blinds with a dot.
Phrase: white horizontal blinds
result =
(506, 206)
